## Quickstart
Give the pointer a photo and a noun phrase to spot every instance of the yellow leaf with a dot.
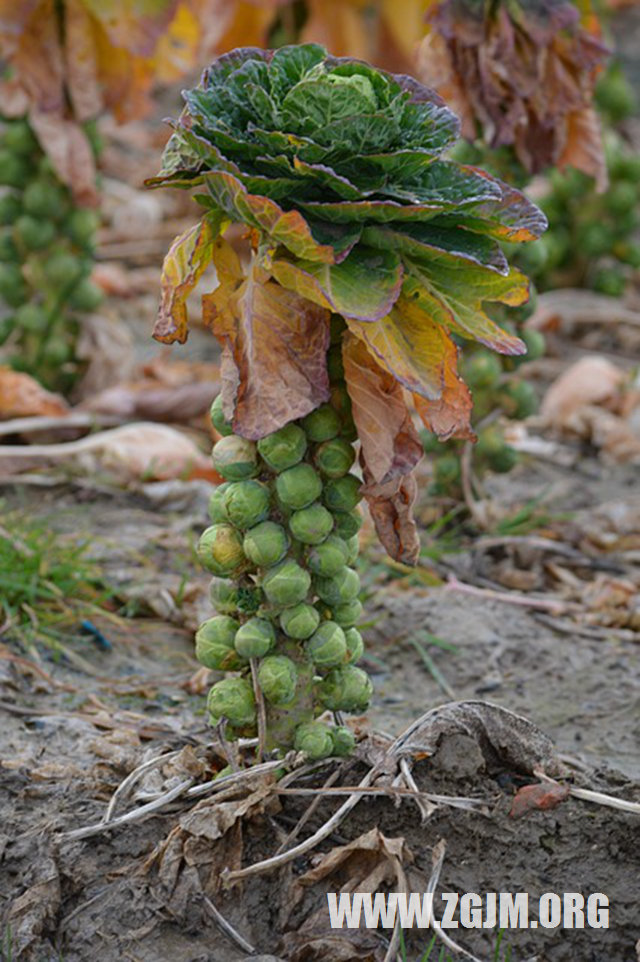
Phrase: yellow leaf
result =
(177, 50)
(187, 258)
(410, 345)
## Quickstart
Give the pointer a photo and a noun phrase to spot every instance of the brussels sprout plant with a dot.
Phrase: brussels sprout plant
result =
(46, 256)
(368, 254)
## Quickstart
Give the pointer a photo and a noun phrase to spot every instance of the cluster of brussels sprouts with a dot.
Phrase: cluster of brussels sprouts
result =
(46, 256)
(592, 238)
(496, 388)
(281, 546)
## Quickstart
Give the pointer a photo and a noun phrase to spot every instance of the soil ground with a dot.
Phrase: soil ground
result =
(77, 724)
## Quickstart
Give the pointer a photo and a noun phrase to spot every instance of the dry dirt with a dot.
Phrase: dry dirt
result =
(73, 728)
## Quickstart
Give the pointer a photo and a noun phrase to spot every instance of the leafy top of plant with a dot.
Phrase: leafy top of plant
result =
(336, 169)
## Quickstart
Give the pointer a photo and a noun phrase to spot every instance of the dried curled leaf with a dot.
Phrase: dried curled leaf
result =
(391, 446)
(188, 257)
(275, 343)
(391, 508)
(524, 74)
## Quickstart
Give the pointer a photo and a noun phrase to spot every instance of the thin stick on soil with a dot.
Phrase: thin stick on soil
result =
(425, 806)
(304, 818)
(438, 860)
(545, 604)
(132, 778)
(610, 801)
(135, 816)
(227, 928)
(309, 843)
(261, 711)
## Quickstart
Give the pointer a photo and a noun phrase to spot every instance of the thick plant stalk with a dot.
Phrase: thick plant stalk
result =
(282, 546)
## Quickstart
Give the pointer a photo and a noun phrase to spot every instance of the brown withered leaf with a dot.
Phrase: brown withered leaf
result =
(391, 508)
(363, 865)
(80, 60)
(274, 347)
(189, 255)
(368, 864)
(450, 415)
(525, 74)
(70, 153)
(21, 397)
(391, 446)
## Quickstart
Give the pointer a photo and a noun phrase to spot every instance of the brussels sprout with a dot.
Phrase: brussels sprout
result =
(266, 544)
(344, 741)
(86, 296)
(224, 596)
(255, 638)
(61, 269)
(19, 138)
(353, 549)
(342, 494)
(31, 317)
(355, 645)
(81, 225)
(232, 698)
(345, 689)
(300, 621)
(327, 646)
(298, 486)
(311, 525)
(12, 286)
(277, 677)
(218, 419)
(235, 458)
(12, 169)
(348, 614)
(217, 510)
(504, 460)
(247, 503)
(490, 441)
(8, 249)
(287, 584)
(214, 644)
(45, 198)
(34, 234)
(10, 208)
(536, 344)
(314, 739)
(518, 399)
(220, 550)
(334, 458)
(329, 557)
(322, 424)
(482, 370)
(339, 588)
(283, 448)
(347, 523)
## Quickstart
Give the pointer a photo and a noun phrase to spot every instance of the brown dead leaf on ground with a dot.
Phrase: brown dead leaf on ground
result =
(105, 348)
(21, 396)
(206, 842)
(371, 863)
(130, 453)
(593, 399)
